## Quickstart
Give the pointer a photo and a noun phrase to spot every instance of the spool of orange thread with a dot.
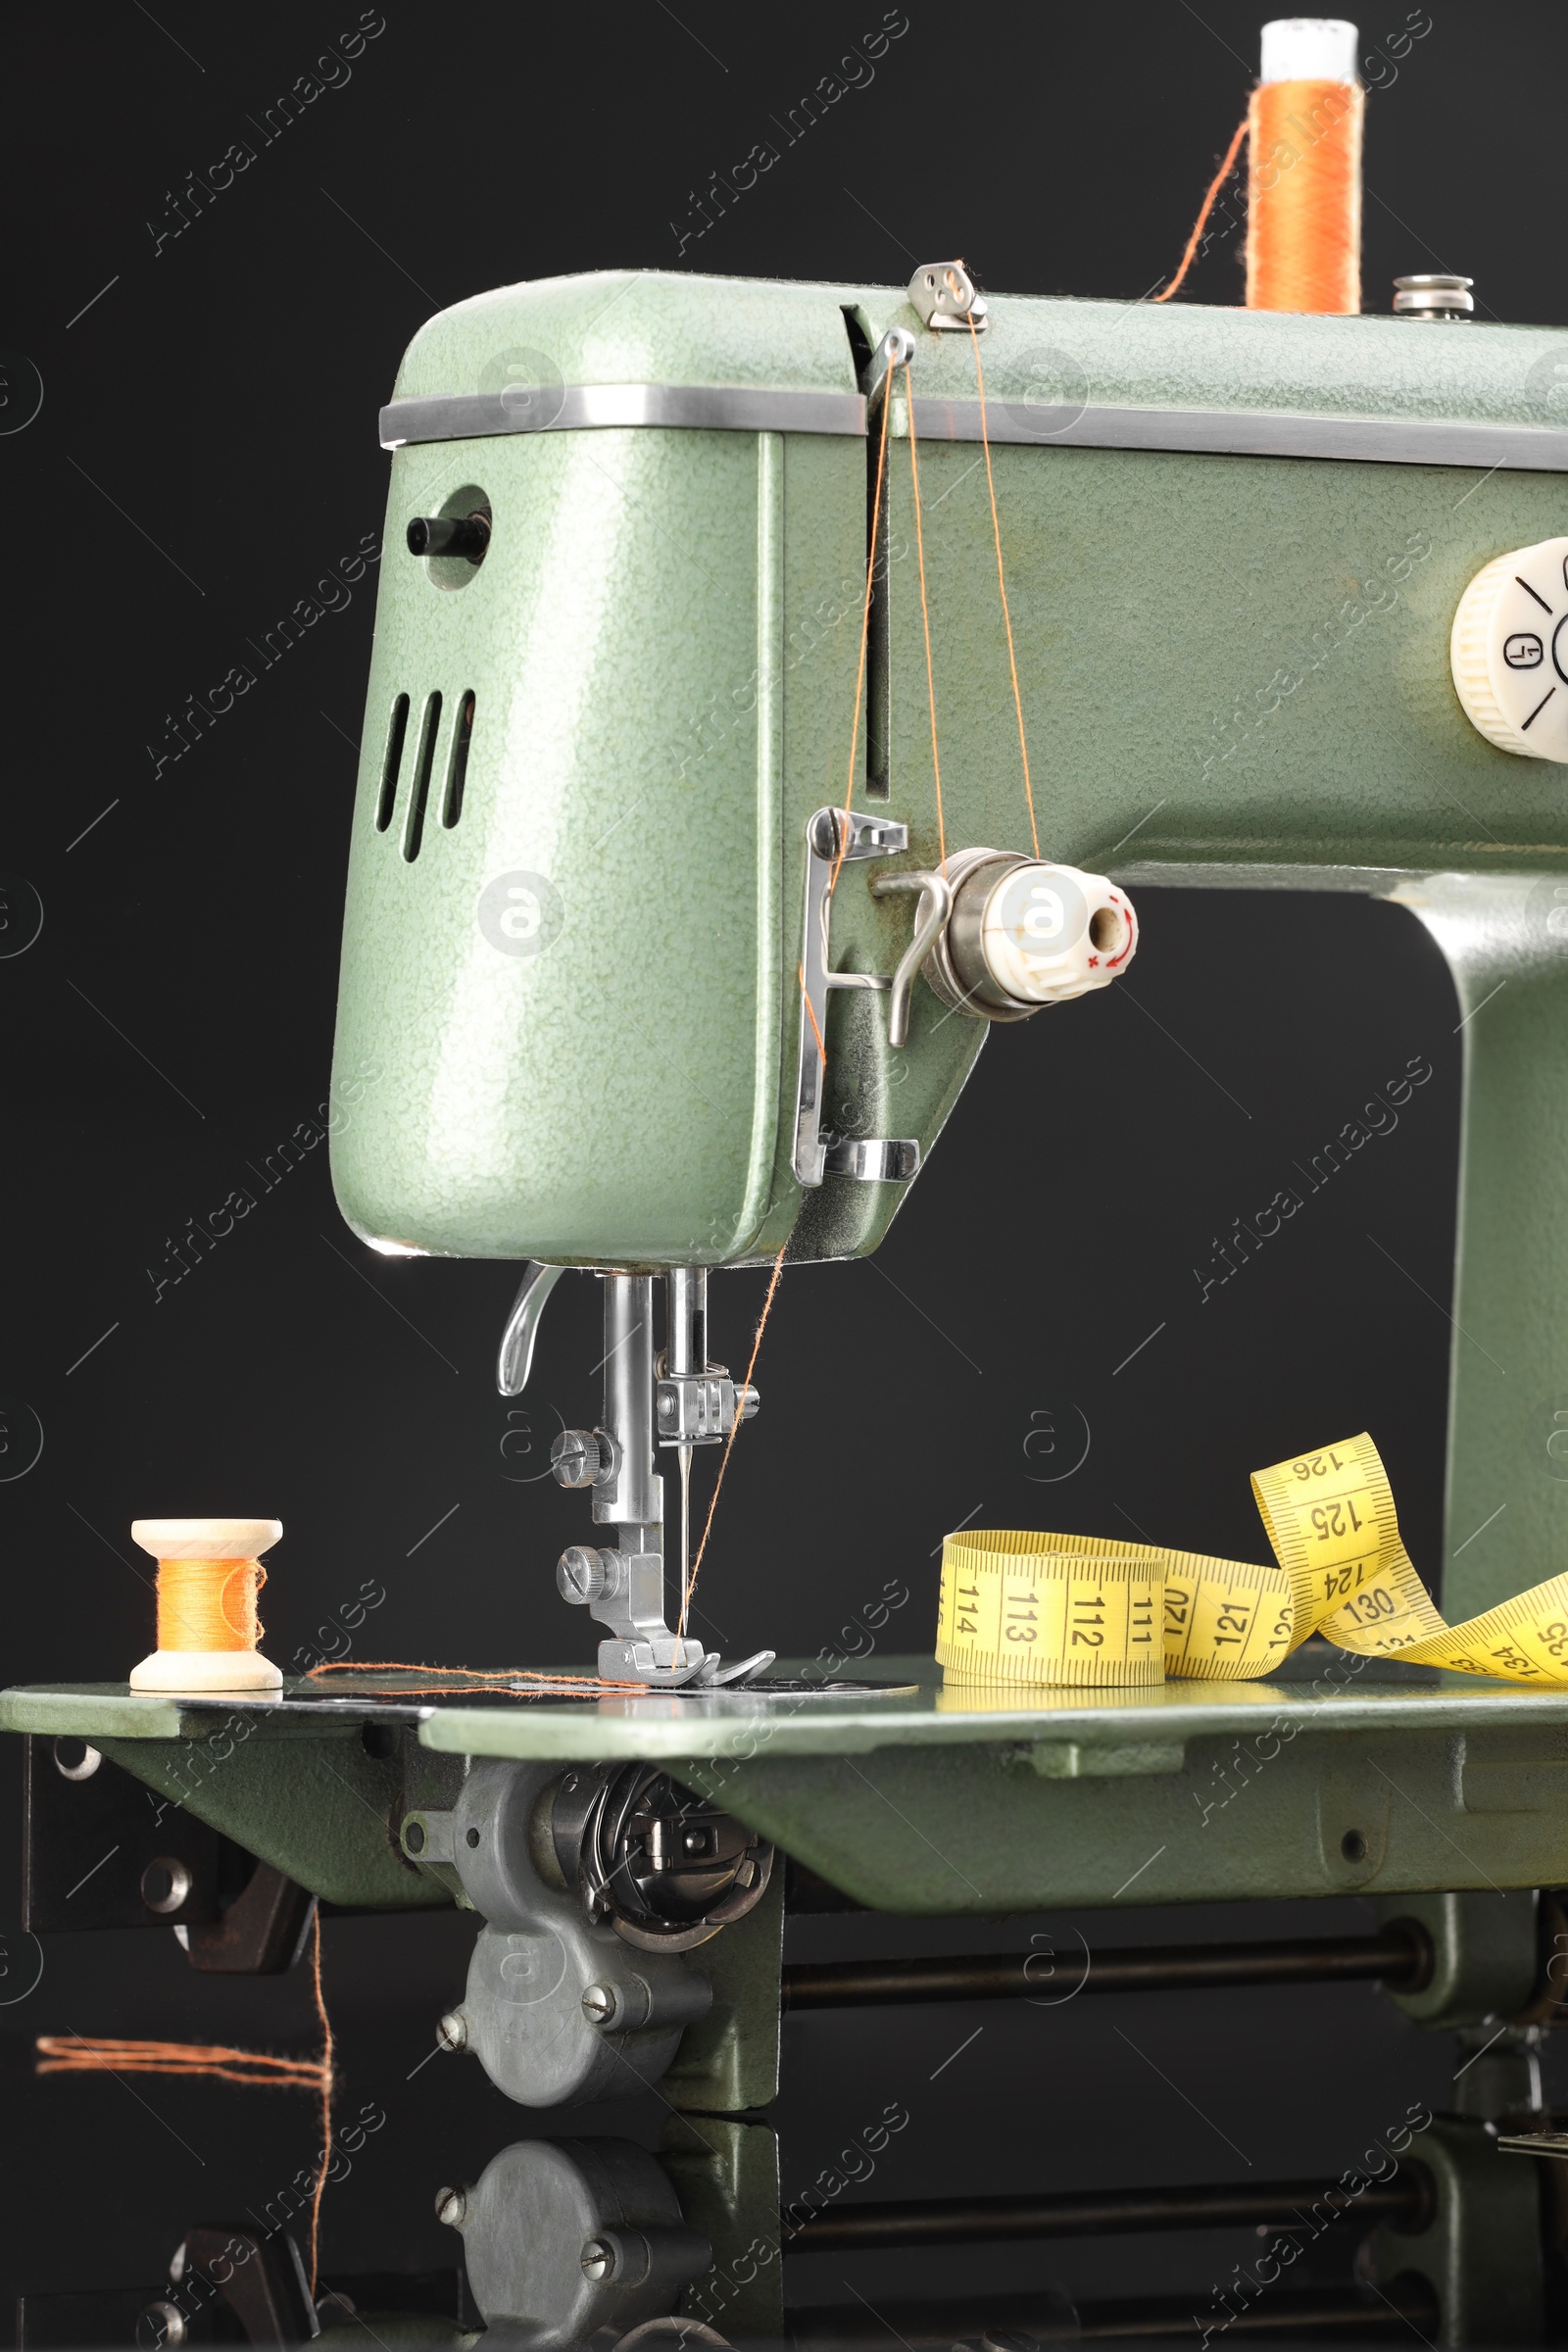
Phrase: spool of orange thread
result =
(209, 1574)
(1304, 236)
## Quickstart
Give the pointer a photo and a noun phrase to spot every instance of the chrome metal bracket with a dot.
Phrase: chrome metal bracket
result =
(930, 919)
(875, 1159)
(700, 1409)
(832, 837)
(943, 293)
(624, 1590)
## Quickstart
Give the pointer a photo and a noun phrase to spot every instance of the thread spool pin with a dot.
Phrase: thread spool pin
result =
(208, 1573)
(1433, 296)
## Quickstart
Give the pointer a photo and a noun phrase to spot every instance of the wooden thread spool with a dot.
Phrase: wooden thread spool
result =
(1304, 236)
(209, 1574)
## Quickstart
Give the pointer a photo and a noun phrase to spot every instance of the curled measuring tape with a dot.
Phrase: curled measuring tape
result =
(1044, 1609)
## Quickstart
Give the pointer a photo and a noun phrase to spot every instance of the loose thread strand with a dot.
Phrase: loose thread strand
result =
(1199, 224)
(1001, 583)
(811, 1014)
(75, 2054)
(477, 1679)
(112, 2054)
(723, 1461)
(925, 619)
(326, 2095)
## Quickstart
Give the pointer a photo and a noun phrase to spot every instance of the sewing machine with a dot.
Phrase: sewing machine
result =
(633, 985)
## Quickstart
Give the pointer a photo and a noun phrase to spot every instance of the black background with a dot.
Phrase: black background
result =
(206, 452)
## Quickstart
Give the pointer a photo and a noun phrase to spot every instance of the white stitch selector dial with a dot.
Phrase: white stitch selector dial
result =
(1508, 651)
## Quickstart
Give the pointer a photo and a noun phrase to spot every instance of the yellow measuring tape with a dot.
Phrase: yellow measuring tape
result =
(1027, 1608)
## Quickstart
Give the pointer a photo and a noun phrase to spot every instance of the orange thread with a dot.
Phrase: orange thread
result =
(327, 2092)
(109, 2054)
(209, 1605)
(1214, 187)
(865, 628)
(475, 1678)
(1303, 232)
(926, 617)
(811, 1014)
(1001, 583)
(723, 1463)
(75, 2054)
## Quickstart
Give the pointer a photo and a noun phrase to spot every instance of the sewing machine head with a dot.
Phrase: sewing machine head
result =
(657, 973)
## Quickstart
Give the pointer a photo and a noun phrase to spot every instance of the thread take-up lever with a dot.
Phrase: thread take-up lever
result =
(896, 349)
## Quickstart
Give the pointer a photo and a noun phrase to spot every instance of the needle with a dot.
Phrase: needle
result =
(685, 1517)
(684, 1455)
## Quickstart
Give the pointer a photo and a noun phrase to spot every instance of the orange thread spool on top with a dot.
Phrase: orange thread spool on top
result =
(208, 1575)
(1303, 236)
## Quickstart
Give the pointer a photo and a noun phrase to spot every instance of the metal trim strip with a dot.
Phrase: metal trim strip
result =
(1198, 432)
(572, 408)
(1251, 433)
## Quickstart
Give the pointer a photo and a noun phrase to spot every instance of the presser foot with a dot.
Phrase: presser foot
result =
(744, 1672)
(669, 1662)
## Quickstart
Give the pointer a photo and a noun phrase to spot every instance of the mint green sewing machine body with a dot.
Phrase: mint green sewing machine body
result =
(1235, 671)
(1235, 665)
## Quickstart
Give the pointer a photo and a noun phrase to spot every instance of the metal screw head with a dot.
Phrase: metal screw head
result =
(576, 1459)
(451, 2207)
(453, 2030)
(598, 2004)
(824, 832)
(598, 2259)
(580, 1575)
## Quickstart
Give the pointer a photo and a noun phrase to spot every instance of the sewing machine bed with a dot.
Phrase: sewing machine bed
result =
(1330, 1777)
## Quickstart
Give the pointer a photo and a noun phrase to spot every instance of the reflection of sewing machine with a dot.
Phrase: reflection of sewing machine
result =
(625, 991)
(598, 2241)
